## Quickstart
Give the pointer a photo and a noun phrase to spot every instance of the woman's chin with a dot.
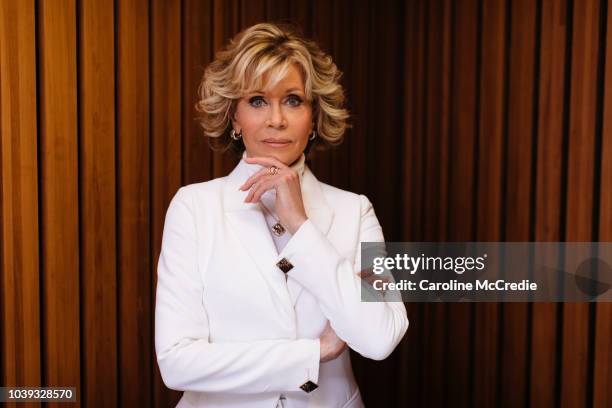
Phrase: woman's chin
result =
(284, 155)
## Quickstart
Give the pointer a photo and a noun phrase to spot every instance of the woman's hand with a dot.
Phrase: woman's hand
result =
(331, 345)
(286, 182)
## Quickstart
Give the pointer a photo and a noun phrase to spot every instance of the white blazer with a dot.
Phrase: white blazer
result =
(231, 331)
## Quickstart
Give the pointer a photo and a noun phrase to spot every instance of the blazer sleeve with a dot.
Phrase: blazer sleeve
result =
(187, 360)
(373, 329)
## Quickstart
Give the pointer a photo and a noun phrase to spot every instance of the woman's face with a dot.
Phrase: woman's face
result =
(276, 122)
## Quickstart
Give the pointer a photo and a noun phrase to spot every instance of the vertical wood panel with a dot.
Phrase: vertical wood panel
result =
(585, 47)
(488, 190)
(166, 113)
(277, 10)
(436, 78)
(434, 355)
(251, 12)
(225, 26)
(414, 124)
(544, 339)
(409, 383)
(300, 12)
(518, 189)
(462, 126)
(3, 327)
(411, 64)
(602, 387)
(603, 355)
(320, 162)
(341, 53)
(19, 254)
(60, 201)
(197, 52)
(133, 194)
(491, 126)
(446, 62)
(417, 138)
(357, 96)
(384, 175)
(98, 228)
(383, 140)
(461, 183)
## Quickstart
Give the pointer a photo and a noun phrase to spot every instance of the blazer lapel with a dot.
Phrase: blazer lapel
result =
(250, 226)
(317, 209)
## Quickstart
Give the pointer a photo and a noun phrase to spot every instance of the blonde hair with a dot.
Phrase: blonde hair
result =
(269, 49)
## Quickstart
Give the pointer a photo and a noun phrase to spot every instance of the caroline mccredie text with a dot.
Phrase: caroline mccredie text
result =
(454, 285)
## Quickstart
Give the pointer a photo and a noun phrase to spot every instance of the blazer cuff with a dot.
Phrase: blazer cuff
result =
(312, 371)
(297, 256)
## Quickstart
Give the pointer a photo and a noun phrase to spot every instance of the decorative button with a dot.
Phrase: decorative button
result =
(309, 386)
(284, 265)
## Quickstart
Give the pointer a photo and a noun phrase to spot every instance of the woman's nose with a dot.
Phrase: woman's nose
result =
(277, 117)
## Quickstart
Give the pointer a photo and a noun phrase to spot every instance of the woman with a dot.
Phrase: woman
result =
(258, 290)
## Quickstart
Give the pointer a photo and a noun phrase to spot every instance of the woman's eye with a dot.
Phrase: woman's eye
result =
(257, 102)
(294, 100)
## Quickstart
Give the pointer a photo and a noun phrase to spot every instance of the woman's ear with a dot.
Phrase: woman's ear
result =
(235, 125)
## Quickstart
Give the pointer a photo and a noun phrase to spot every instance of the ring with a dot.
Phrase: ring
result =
(273, 170)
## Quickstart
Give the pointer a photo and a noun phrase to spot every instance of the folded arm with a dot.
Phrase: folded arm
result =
(373, 329)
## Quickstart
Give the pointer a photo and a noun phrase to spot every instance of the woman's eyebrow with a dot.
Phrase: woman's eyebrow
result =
(262, 92)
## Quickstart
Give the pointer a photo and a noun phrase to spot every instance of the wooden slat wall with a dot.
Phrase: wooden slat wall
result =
(98, 219)
(133, 188)
(545, 338)
(489, 203)
(20, 328)
(472, 120)
(60, 248)
(602, 359)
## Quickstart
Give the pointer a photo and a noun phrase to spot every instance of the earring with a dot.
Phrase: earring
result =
(312, 137)
(235, 135)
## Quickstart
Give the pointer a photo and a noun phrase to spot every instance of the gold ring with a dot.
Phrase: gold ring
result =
(273, 170)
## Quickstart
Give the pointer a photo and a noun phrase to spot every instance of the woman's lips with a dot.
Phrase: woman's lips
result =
(276, 142)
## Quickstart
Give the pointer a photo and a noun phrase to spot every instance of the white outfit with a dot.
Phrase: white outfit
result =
(233, 330)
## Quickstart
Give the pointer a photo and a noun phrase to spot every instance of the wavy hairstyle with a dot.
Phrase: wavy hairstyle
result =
(269, 49)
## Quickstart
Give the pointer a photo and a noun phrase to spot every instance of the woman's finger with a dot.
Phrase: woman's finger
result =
(255, 178)
(260, 188)
(248, 197)
(266, 182)
(366, 273)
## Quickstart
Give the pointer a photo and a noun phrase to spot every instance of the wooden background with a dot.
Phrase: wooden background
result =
(485, 120)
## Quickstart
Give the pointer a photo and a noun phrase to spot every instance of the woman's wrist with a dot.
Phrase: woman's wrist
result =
(294, 225)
